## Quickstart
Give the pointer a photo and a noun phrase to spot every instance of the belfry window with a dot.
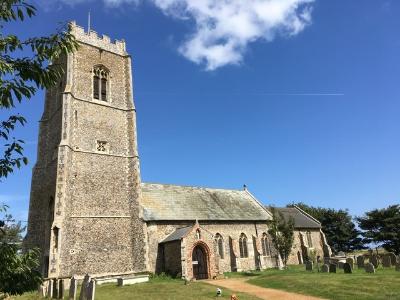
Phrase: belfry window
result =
(96, 86)
(243, 246)
(220, 245)
(100, 83)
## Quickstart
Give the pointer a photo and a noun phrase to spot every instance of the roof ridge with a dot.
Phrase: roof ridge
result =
(192, 186)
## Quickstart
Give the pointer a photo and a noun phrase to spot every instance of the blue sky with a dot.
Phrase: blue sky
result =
(301, 104)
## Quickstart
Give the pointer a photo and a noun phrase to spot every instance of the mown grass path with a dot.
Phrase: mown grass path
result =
(241, 285)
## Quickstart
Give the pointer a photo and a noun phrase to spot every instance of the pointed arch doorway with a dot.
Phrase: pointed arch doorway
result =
(200, 262)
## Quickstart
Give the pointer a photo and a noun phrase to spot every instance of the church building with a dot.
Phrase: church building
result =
(89, 211)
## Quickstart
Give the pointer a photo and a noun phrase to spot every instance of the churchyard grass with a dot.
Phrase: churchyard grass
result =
(156, 288)
(384, 284)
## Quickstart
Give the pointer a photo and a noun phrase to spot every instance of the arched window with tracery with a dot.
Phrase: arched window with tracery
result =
(266, 245)
(220, 245)
(100, 83)
(243, 246)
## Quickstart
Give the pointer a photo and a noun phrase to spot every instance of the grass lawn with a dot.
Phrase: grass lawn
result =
(384, 284)
(157, 288)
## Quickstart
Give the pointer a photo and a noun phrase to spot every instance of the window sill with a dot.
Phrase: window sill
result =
(102, 102)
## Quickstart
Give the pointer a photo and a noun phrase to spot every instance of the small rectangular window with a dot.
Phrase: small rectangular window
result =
(55, 233)
(96, 84)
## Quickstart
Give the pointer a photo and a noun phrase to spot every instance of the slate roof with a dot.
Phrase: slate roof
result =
(177, 234)
(173, 202)
(301, 219)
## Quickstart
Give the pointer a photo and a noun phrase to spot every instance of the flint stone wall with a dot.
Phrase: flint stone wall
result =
(317, 246)
(158, 231)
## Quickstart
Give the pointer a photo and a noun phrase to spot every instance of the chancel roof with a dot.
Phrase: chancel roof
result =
(301, 219)
(173, 202)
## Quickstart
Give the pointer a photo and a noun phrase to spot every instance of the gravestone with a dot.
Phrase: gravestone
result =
(50, 289)
(393, 258)
(341, 253)
(374, 260)
(325, 268)
(350, 261)
(347, 268)
(309, 265)
(72, 288)
(90, 292)
(61, 288)
(84, 288)
(340, 264)
(360, 261)
(332, 268)
(398, 266)
(369, 268)
(386, 261)
(42, 290)
(55, 288)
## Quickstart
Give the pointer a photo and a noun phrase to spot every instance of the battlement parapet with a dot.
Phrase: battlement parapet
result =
(92, 38)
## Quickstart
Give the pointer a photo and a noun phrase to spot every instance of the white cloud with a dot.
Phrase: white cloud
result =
(225, 28)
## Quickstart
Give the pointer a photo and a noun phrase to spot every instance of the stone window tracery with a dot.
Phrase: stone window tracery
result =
(100, 83)
(266, 245)
(220, 245)
(243, 246)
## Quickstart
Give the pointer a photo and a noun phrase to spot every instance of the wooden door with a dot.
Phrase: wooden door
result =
(199, 261)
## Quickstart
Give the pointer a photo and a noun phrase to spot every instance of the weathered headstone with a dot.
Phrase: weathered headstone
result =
(350, 261)
(374, 260)
(309, 265)
(360, 261)
(398, 266)
(84, 287)
(50, 289)
(332, 268)
(341, 253)
(72, 288)
(369, 268)
(340, 264)
(42, 290)
(90, 292)
(55, 288)
(393, 258)
(347, 268)
(325, 268)
(386, 261)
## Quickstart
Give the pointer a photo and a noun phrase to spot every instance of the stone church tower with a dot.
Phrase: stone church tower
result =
(85, 212)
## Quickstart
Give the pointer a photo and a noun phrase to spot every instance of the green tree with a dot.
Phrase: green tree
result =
(25, 66)
(18, 271)
(382, 226)
(11, 231)
(282, 233)
(340, 231)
